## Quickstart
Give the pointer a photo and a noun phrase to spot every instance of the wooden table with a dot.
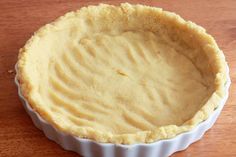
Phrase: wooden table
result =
(20, 18)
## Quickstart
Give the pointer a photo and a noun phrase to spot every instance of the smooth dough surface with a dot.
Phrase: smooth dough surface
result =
(123, 74)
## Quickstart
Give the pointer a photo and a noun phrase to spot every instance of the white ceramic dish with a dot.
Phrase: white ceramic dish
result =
(90, 148)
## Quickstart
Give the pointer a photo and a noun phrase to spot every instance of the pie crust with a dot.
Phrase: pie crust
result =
(122, 74)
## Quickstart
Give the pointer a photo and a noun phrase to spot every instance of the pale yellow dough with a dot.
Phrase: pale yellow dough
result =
(122, 74)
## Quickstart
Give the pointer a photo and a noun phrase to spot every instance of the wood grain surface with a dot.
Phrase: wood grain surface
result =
(20, 18)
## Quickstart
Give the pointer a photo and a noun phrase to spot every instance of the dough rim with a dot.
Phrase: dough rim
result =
(164, 132)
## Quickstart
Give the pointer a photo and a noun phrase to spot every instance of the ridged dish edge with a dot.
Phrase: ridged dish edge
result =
(90, 148)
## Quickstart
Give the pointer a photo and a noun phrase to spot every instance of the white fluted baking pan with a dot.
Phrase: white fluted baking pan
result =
(90, 148)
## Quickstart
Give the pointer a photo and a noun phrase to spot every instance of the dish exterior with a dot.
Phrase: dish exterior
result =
(123, 74)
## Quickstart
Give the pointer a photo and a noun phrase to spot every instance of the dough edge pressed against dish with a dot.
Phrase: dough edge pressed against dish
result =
(163, 132)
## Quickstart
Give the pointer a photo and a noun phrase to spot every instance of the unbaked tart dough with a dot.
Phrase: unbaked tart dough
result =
(122, 74)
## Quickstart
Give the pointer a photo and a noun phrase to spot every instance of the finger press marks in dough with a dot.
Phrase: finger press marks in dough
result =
(94, 75)
(70, 107)
(137, 121)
